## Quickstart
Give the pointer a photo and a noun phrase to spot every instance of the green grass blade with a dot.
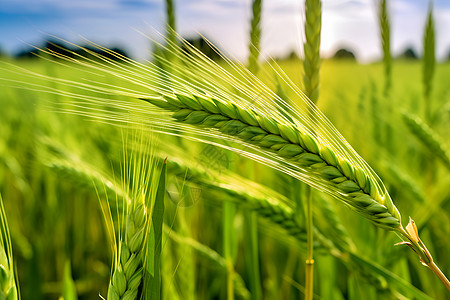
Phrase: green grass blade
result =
(69, 290)
(229, 244)
(154, 244)
(252, 254)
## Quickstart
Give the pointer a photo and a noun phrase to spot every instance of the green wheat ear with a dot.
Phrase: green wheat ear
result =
(429, 62)
(428, 137)
(287, 141)
(255, 36)
(141, 185)
(386, 45)
(311, 64)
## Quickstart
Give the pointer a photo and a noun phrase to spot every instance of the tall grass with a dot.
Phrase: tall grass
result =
(251, 219)
(311, 66)
(223, 105)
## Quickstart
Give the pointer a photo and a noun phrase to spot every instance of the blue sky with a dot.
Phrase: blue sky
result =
(350, 23)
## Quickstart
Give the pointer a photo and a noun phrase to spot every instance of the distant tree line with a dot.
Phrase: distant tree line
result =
(347, 54)
(93, 52)
(200, 43)
(409, 53)
(204, 46)
(88, 51)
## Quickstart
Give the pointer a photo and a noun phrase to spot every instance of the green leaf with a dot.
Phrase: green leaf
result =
(154, 243)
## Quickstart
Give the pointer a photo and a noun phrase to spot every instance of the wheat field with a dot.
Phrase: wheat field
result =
(189, 178)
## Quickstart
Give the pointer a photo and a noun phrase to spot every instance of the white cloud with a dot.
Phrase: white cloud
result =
(442, 22)
(351, 23)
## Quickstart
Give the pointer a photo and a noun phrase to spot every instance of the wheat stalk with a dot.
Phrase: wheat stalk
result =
(251, 222)
(311, 66)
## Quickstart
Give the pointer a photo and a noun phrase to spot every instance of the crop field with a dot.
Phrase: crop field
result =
(185, 178)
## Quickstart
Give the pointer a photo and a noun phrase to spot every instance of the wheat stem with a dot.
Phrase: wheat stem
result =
(415, 243)
(251, 220)
(439, 274)
(309, 264)
(311, 79)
